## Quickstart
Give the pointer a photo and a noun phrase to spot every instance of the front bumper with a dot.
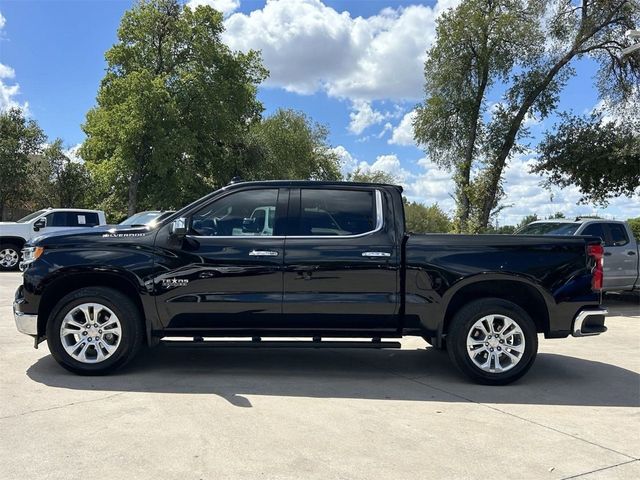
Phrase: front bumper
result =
(25, 323)
(26, 320)
(589, 322)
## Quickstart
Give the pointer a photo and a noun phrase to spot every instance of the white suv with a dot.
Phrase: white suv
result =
(13, 235)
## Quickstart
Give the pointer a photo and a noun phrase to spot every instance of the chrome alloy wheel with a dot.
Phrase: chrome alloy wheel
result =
(90, 333)
(495, 343)
(9, 257)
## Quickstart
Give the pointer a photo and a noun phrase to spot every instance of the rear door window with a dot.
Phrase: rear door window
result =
(594, 230)
(334, 212)
(618, 235)
(84, 219)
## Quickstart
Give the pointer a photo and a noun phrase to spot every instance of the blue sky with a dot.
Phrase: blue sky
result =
(355, 66)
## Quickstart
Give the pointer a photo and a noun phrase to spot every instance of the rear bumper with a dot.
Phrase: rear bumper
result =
(589, 322)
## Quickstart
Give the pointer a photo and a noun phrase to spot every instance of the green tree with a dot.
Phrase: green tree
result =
(556, 216)
(289, 145)
(479, 43)
(20, 139)
(171, 108)
(503, 230)
(602, 158)
(58, 181)
(371, 176)
(526, 220)
(420, 218)
(634, 223)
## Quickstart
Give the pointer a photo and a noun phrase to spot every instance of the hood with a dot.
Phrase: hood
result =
(100, 233)
(13, 227)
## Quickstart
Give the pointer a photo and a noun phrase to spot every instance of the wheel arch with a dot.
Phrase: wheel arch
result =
(517, 290)
(13, 239)
(67, 283)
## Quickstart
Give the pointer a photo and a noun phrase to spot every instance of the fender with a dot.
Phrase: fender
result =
(65, 280)
(13, 239)
(489, 277)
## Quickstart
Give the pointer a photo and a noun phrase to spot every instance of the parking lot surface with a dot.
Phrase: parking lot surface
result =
(183, 413)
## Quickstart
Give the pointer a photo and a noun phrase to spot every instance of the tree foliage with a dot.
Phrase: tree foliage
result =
(634, 223)
(289, 145)
(601, 157)
(171, 108)
(527, 49)
(371, 176)
(58, 181)
(420, 218)
(477, 45)
(20, 139)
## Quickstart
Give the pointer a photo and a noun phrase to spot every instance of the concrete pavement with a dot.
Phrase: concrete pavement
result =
(322, 414)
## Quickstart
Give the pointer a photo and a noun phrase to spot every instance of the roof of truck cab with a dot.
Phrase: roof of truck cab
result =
(73, 210)
(309, 183)
(577, 220)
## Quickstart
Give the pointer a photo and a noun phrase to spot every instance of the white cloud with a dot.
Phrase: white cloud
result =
(525, 196)
(6, 72)
(308, 47)
(347, 162)
(225, 6)
(8, 91)
(431, 185)
(387, 128)
(403, 133)
(73, 153)
(363, 116)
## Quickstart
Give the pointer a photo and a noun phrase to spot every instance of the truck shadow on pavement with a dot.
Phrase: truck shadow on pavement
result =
(411, 375)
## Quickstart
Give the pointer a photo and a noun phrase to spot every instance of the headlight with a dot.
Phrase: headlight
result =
(30, 254)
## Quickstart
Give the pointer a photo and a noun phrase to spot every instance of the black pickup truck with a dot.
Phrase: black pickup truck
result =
(327, 261)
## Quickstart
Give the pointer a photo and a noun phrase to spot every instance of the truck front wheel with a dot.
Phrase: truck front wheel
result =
(493, 341)
(94, 331)
(9, 257)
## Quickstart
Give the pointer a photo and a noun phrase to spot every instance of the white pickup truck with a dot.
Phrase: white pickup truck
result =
(13, 235)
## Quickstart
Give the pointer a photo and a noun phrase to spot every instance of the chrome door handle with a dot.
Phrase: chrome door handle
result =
(263, 253)
(376, 254)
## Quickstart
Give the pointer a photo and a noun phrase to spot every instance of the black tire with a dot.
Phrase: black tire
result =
(130, 321)
(15, 248)
(461, 325)
(434, 344)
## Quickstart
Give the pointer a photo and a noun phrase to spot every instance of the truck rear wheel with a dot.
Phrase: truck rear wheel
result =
(492, 341)
(94, 331)
(9, 257)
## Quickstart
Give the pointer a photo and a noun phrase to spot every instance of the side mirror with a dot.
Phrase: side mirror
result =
(179, 226)
(40, 223)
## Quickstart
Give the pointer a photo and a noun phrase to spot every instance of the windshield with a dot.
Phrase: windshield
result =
(31, 216)
(142, 218)
(551, 228)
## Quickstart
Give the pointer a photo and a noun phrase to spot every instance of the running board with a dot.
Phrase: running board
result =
(258, 342)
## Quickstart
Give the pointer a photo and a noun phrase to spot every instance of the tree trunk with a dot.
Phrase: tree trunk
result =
(464, 174)
(488, 200)
(134, 183)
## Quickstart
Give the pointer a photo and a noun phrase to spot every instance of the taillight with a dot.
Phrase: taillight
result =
(597, 274)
